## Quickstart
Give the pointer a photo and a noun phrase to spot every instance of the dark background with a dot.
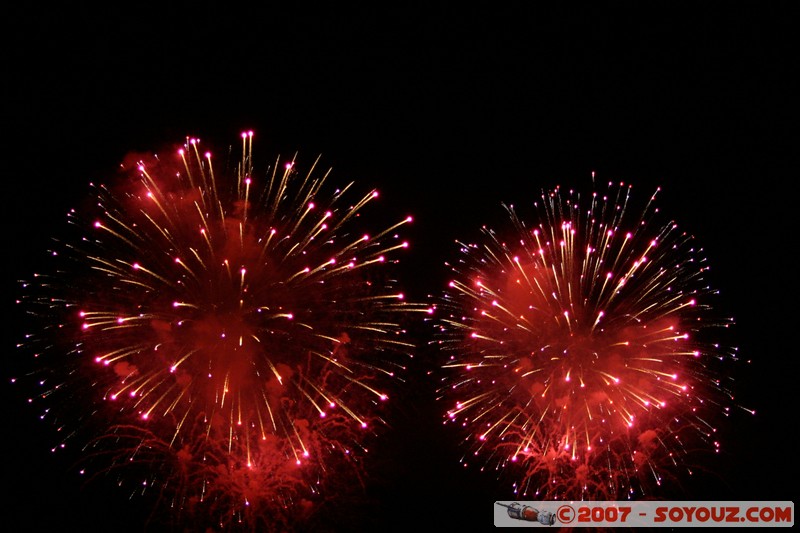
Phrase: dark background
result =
(448, 110)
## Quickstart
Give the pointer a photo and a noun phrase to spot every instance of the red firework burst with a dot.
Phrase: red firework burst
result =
(580, 357)
(236, 340)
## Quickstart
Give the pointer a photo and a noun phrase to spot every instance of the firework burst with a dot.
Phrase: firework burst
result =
(234, 340)
(580, 356)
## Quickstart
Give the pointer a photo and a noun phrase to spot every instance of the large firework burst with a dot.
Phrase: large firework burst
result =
(236, 340)
(581, 360)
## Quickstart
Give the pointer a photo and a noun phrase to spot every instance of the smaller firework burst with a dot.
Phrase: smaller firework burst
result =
(581, 361)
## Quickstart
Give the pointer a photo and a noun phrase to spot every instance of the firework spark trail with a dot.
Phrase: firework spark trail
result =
(228, 326)
(578, 358)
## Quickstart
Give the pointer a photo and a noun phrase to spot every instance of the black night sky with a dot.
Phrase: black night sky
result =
(449, 111)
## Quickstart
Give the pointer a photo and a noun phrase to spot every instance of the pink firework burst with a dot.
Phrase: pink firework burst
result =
(581, 357)
(234, 338)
